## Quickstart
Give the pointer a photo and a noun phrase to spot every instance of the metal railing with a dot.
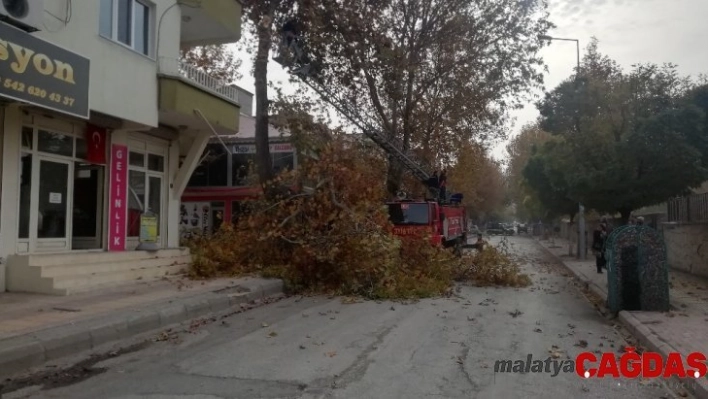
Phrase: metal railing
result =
(692, 208)
(176, 68)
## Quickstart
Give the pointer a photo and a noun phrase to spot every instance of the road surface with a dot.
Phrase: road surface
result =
(323, 348)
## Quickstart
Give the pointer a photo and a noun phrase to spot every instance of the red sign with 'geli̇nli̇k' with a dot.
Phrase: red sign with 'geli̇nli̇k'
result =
(118, 198)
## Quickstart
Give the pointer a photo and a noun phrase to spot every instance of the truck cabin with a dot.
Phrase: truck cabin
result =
(409, 213)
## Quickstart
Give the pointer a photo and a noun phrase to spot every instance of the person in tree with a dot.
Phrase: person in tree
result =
(443, 184)
(598, 246)
(433, 181)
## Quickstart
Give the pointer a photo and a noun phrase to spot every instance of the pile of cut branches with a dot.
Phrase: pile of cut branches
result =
(332, 236)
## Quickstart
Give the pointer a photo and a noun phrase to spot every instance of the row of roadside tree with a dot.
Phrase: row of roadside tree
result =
(613, 139)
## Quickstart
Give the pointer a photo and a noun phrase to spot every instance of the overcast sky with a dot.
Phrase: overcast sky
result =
(630, 31)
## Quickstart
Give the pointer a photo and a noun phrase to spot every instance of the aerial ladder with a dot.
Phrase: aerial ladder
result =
(294, 60)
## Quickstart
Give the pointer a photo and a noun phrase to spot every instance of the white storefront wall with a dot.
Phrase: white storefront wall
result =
(123, 85)
(14, 205)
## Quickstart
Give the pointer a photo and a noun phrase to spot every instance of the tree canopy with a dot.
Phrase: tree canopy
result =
(434, 75)
(626, 139)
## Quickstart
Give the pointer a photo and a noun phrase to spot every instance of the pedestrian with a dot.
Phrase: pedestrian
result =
(443, 185)
(640, 221)
(598, 246)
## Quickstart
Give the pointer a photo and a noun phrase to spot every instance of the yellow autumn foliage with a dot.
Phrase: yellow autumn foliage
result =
(330, 236)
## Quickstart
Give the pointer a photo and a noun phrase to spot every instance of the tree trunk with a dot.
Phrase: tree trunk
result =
(264, 164)
(393, 176)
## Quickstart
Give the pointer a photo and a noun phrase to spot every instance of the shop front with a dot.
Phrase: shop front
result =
(74, 182)
(220, 184)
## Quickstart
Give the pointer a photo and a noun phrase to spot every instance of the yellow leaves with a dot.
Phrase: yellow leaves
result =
(317, 244)
(492, 266)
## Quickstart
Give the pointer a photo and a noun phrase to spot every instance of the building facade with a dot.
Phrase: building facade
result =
(220, 183)
(102, 127)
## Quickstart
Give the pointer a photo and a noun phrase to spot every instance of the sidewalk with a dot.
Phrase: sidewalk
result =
(38, 328)
(681, 330)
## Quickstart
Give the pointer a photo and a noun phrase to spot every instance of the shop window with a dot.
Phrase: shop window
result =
(283, 161)
(127, 22)
(145, 193)
(55, 143)
(156, 163)
(136, 159)
(240, 167)
(155, 197)
(136, 201)
(213, 170)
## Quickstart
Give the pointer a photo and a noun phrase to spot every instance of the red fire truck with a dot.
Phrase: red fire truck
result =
(446, 223)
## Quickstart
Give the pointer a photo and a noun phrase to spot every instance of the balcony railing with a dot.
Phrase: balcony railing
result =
(179, 69)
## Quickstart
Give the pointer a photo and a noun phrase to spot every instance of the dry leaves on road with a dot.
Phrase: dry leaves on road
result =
(555, 352)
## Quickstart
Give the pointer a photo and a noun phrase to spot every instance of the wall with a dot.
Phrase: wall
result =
(126, 92)
(687, 247)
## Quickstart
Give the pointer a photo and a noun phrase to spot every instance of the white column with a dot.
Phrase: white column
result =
(173, 202)
(179, 177)
(10, 196)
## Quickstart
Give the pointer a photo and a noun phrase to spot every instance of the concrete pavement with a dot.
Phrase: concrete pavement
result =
(36, 329)
(681, 330)
(318, 347)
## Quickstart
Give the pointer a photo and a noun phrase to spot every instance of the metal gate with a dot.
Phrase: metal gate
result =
(638, 277)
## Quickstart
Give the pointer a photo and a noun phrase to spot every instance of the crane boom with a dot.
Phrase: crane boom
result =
(293, 59)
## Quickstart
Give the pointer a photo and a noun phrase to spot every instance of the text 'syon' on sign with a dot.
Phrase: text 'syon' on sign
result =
(37, 72)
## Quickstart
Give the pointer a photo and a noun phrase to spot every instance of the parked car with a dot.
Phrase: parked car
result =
(499, 229)
(523, 228)
(509, 229)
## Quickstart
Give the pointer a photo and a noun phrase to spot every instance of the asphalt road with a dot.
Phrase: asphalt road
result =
(323, 348)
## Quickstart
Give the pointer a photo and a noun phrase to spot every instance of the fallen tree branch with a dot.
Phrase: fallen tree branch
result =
(287, 219)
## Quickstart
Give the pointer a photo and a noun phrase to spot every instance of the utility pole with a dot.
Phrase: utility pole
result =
(582, 239)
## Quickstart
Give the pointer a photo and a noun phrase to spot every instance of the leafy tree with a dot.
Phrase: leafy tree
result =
(216, 60)
(431, 75)
(544, 174)
(479, 179)
(519, 150)
(629, 139)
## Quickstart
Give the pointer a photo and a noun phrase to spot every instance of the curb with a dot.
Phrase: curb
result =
(20, 353)
(653, 342)
(646, 337)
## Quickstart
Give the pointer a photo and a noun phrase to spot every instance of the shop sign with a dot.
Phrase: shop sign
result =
(37, 72)
(118, 198)
(251, 148)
